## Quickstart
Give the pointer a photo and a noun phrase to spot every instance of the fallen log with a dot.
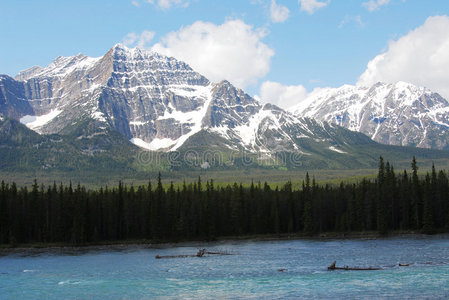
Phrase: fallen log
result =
(333, 267)
(200, 253)
(217, 253)
(173, 256)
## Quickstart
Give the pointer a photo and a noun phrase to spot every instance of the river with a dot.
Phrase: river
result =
(253, 271)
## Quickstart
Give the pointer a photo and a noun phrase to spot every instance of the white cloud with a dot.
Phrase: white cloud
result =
(283, 96)
(232, 51)
(373, 5)
(311, 6)
(135, 3)
(278, 13)
(130, 38)
(421, 57)
(142, 40)
(350, 19)
(166, 4)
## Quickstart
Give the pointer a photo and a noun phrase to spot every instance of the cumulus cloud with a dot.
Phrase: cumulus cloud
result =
(141, 40)
(281, 95)
(166, 4)
(278, 13)
(232, 51)
(421, 57)
(373, 5)
(311, 6)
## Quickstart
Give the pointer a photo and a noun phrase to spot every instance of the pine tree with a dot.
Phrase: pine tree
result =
(427, 207)
(308, 208)
(404, 198)
(416, 197)
(4, 218)
(382, 223)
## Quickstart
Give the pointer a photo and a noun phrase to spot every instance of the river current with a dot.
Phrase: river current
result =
(286, 269)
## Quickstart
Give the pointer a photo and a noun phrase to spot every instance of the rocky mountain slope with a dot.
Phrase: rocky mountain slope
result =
(90, 112)
(156, 102)
(393, 114)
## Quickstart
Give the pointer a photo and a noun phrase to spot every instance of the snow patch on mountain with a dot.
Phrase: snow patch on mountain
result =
(137, 123)
(35, 122)
(337, 150)
(196, 118)
(191, 122)
(188, 91)
(155, 145)
(98, 115)
(248, 133)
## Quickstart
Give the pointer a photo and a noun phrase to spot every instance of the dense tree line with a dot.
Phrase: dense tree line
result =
(68, 214)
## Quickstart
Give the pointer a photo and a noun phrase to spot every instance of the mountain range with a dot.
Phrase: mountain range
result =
(82, 113)
(395, 114)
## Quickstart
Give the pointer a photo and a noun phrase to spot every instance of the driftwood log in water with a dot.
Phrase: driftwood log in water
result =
(173, 256)
(217, 253)
(334, 267)
(200, 253)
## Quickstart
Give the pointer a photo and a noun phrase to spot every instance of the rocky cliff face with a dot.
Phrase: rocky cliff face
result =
(127, 89)
(13, 99)
(393, 114)
(157, 102)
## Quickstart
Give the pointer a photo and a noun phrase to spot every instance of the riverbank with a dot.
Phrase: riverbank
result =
(61, 248)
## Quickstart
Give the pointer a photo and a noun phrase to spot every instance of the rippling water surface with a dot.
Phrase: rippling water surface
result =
(252, 272)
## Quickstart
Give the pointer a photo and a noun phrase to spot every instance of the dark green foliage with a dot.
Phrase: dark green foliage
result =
(201, 210)
(416, 197)
(308, 206)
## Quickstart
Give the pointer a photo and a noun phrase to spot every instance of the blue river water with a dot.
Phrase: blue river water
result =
(253, 271)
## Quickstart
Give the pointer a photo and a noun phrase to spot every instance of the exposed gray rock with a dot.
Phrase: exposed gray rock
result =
(13, 99)
(394, 114)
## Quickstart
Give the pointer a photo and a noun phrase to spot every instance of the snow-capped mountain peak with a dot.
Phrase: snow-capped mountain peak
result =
(61, 66)
(397, 114)
(155, 101)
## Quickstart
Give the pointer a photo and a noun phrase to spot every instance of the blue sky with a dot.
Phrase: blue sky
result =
(307, 44)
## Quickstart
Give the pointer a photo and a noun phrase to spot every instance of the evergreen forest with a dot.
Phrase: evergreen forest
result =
(205, 211)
